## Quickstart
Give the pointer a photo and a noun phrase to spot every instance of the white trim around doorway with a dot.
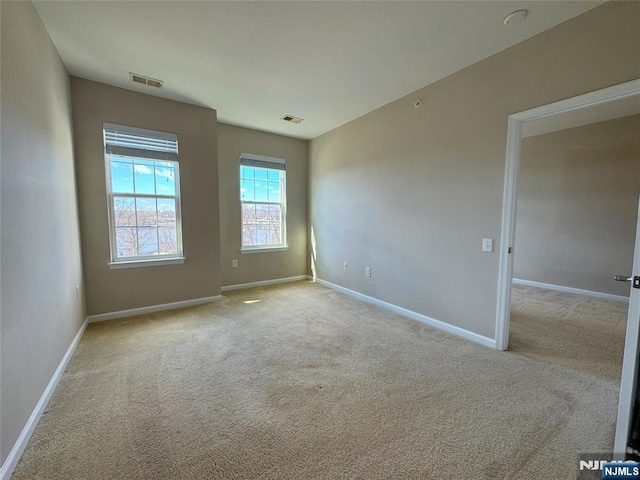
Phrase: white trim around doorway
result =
(510, 197)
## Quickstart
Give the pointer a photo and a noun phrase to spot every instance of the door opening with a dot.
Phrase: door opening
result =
(626, 94)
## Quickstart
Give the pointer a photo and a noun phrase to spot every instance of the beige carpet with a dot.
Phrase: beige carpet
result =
(301, 382)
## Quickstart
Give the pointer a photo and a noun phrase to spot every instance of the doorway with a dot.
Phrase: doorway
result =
(563, 114)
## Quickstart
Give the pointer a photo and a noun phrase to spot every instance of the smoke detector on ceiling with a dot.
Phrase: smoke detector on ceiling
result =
(515, 17)
(141, 79)
(292, 119)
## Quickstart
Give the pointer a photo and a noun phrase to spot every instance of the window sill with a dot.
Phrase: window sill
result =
(263, 249)
(146, 263)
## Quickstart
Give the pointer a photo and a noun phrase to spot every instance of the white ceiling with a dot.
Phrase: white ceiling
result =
(583, 116)
(327, 62)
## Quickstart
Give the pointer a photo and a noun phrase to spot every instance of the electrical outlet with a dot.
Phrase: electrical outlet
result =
(367, 271)
(344, 266)
(77, 292)
(234, 263)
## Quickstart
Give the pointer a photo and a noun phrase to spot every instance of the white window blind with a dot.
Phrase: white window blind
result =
(259, 161)
(140, 143)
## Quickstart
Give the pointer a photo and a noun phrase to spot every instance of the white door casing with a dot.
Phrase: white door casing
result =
(507, 240)
(510, 195)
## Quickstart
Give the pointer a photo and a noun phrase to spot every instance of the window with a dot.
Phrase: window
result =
(263, 197)
(143, 189)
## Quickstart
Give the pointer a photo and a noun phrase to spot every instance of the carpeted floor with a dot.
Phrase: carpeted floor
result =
(301, 382)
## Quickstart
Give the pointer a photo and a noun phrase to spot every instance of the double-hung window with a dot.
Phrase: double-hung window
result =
(143, 190)
(263, 198)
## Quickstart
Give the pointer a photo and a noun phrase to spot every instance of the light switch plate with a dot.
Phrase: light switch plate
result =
(487, 245)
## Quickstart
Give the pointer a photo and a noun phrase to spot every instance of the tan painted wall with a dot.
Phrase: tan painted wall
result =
(577, 206)
(411, 192)
(254, 267)
(113, 290)
(40, 246)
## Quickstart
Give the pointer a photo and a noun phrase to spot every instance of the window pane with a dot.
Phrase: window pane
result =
(261, 225)
(246, 172)
(275, 224)
(262, 213)
(249, 214)
(165, 179)
(124, 211)
(144, 176)
(262, 234)
(147, 241)
(246, 236)
(121, 177)
(168, 240)
(246, 190)
(262, 228)
(166, 211)
(274, 175)
(274, 237)
(262, 174)
(146, 211)
(248, 224)
(261, 192)
(126, 242)
(274, 192)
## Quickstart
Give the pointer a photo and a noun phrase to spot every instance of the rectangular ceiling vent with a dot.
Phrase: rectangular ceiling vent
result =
(292, 119)
(151, 82)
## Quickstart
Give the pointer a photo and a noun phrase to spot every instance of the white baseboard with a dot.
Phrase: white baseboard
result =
(577, 291)
(151, 309)
(23, 439)
(263, 283)
(432, 322)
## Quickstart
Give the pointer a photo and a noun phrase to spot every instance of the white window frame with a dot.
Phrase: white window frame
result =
(279, 247)
(142, 260)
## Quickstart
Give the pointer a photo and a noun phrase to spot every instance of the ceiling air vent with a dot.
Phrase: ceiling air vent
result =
(151, 82)
(292, 119)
